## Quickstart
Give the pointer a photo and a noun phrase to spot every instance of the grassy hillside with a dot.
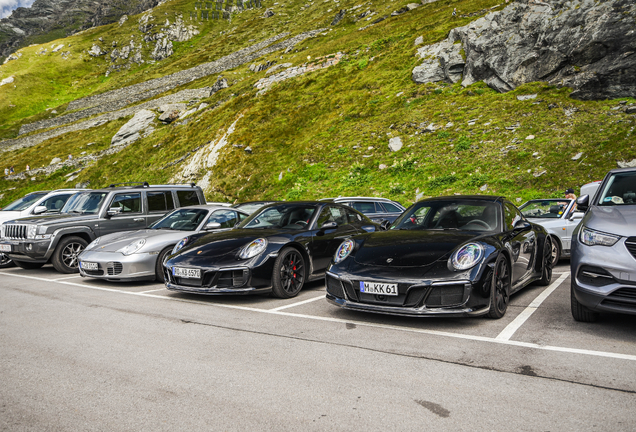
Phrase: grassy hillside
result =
(324, 133)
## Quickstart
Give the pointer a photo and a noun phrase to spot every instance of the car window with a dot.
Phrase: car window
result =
(332, 214)
(55, 203)
(159, 201)
(548, 209)
(620, 189)
(84, 203)
(128, 202)
(24, 202)
(288, 216)
(242, 216)
(182, 220)
(391, 208)
(512, 215)
(365, 207)
(187, 198)
(353, 217)
(227, 218)
(446, 214)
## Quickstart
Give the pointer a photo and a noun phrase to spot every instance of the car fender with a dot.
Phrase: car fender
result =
(82, 231)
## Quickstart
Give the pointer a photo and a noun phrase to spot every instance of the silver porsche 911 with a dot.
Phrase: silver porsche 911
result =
(138, 255)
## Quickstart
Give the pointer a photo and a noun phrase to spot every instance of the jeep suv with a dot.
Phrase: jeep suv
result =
(59, 239)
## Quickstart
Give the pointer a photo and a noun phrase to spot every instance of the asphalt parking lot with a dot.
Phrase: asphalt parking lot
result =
(303, 363)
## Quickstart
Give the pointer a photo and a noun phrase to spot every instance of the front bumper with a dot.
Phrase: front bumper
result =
(36, 251)
(120, 267)
(604, 278)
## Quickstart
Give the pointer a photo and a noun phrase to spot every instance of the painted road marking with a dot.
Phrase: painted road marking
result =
(154, 290)
(68, 277)
(619, 356)
(297, 304)
(511, 328)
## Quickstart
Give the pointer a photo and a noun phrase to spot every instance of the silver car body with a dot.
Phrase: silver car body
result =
(112, 264)
(604, 276)
(560, 223)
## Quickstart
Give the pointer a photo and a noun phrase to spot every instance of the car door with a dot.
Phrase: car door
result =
(159, 203)
(130, 216)
(326, 240)
(522, 242)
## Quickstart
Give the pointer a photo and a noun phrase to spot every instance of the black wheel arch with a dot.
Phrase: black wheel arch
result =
(303, 252)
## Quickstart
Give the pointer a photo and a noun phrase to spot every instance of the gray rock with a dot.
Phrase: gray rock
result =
(169, 116)
(268, 13)
(526, 97)
(172, 107)
(131, 131)
(418, 40)
(7, 81)
(577, 156)
(626, 164)
(248, 150)
(585, 45)
(483, 188)
(339, 16)
(382, 167)
(96, 51)
(628, 110)
(412, 6)
(55, 161)
(395, 144)
(162, 50)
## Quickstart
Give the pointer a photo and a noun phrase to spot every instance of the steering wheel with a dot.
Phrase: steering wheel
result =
(479, 222)
(302, 223)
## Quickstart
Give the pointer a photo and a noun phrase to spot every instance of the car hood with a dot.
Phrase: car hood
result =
(409, 248)
(620, 220)
(222, 243)
(155, 239)
(9, 215)
(57, 218)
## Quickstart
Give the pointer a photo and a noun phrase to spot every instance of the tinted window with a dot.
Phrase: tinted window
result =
(392, 208)
(441, 215)
(188, 198)
(332, 214)
(159, 201)
(288, 216)
(24, 202)
(512, 215)
(55, 203)
(182, 220)
(365, 207)
(545, 208)
(353, 217)
(620, 189)
(227, 218)
(85, 202)
(129, 203)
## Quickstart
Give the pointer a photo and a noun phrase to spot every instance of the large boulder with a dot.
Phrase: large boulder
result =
(586, 45)
(131, 131)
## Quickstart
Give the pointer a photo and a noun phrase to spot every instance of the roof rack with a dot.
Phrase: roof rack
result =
(175, 184)
(144, 184)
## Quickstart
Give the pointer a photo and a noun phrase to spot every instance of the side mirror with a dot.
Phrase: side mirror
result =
(40, 209)
(212, 225)
(583, 202)
(113, 211)
(522, 225)
(328, 225)
(385, 225)
(577, 215)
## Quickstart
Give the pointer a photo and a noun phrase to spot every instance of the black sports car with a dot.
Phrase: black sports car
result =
(457, 255)
(276, 249)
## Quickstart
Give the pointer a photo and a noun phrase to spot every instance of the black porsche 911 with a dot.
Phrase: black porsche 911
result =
(456, 255)
(276, 249)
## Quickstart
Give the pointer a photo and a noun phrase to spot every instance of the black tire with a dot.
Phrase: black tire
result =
(159, 272)
(547, 262)
(5, 261)
(556, 251)
(579, 312)
(289, 273)
(28, 265)
(500, 288)
(64, 258)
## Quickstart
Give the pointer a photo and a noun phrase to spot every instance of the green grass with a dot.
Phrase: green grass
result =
(316, 129)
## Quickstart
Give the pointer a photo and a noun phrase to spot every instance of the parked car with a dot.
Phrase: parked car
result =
(59, 239)
(34, 203)
(277, 249)
(376, 209)
(251, 206)
(603, 263)
(452, 256)
(139, 255)
(559, 217)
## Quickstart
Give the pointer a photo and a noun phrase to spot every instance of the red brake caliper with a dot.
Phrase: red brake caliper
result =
(294, 268)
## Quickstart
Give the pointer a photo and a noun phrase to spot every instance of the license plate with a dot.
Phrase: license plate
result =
(378, 288)
(186, 272)
(88, 265)
(5, 248)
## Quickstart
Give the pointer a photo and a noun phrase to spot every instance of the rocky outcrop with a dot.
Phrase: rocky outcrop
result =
(583, 44)
(46, 16)
(134, 128)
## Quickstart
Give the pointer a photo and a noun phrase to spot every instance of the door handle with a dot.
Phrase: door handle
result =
(138, 219)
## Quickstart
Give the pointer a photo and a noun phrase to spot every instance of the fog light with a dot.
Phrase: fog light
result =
(29, 247)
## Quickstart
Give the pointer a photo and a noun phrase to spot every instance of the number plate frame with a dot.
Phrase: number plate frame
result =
(86, 265)
(379, 288)
(5, 248)
(186, 273)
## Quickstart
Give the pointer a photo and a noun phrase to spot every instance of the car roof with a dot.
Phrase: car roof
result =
(146, 186)
(358, 198)
(491, 198)
(620, 170)
(210, 207)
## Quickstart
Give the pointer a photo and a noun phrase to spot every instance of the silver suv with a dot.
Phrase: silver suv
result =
(603, 262)
(59, 239)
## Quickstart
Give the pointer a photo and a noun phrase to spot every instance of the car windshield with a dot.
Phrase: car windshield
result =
(620, 189)
(84, 203)
(182, 220)
(250, 207)
(287, 216)
(24, 202)
(451, 215)
(547, 209)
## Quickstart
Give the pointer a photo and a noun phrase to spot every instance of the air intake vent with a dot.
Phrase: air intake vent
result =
(114, 268)
(630, 243)
(15, 231)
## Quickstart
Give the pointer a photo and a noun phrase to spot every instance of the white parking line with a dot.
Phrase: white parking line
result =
(297, 304)
(511, 328)
(619, 356)
(67, 277)
(154, 290)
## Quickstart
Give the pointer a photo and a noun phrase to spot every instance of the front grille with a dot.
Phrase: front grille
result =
(630, 243)
(624, 298)
(445, 295)
(15, 231)
(351, 293)
(94, 272)
(334, 287)
(114, 268)
(414, 296)
(594, 276)
(231, 279)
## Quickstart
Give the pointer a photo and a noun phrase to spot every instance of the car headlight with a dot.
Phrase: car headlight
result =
(595, 238)
(253, 248)
(343, 251)
(92, 244)
(132, 247)
(179, 245)
(467, 256)
(31, 231)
